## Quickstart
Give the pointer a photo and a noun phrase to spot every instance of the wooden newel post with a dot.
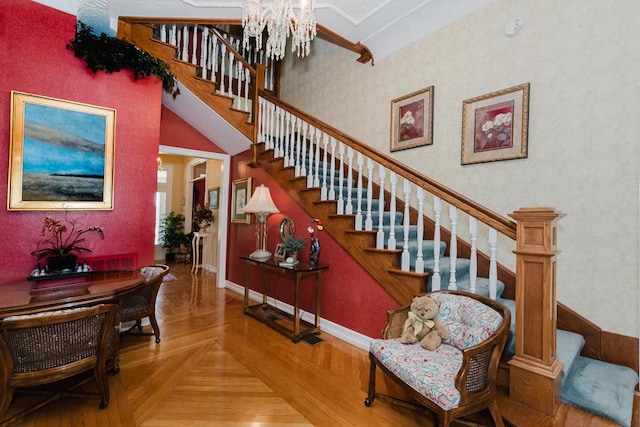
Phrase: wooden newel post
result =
(535, 370)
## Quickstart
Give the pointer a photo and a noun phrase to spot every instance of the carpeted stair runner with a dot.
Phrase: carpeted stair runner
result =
(601, 388)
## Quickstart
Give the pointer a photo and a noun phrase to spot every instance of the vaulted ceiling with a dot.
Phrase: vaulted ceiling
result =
(384, 26)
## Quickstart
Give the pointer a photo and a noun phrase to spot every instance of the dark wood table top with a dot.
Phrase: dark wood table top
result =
(97, 287)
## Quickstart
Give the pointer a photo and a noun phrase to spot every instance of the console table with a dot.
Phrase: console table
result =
(199, 240)
(291, 326)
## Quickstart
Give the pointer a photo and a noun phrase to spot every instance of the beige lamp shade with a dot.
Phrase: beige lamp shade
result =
(260, 202)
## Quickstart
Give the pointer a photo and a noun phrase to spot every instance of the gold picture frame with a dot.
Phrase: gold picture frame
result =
(412, 120)
(61, 154)
(495, 126)
(239, 197)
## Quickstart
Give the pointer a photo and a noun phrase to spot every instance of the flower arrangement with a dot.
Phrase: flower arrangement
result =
(59, 238)
(203, 216)
(407, 121)
(314, 248)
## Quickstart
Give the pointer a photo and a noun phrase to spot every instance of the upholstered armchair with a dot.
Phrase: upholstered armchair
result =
(49, 346)
(141, 302)
(459, 377)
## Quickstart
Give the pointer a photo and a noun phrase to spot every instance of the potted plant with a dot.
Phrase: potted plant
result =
(203, 217)
(61, 240)
(172, 234)
(291, 245)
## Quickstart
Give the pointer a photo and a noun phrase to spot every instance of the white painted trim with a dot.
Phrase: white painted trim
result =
(223, 216)
(326, 326)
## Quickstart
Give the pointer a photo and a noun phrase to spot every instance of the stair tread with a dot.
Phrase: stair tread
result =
(601, 388)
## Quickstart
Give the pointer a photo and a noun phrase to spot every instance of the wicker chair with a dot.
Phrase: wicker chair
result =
(48, 346)
(459, 377)
(141, 302)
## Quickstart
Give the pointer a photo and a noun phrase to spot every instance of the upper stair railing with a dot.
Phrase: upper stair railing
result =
(377, 187)
(221, 59)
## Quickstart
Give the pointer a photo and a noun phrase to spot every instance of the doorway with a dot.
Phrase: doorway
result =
(195, 188)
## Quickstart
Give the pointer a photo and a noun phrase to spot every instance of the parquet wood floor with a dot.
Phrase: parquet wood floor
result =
(218, 367)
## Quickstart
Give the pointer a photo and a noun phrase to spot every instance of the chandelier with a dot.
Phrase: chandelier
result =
(281, 22)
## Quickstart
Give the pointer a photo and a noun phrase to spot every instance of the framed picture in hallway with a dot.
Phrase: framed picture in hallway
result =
(61, 155)
(495, 126)
(214, 197)
(239, 197)
(412, 120)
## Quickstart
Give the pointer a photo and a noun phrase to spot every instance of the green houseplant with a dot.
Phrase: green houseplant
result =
(291, 245)
(61, 240)
(172, 233)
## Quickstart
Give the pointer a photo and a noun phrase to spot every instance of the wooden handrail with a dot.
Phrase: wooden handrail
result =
(323, 32)
(487, 216)
(232, 49)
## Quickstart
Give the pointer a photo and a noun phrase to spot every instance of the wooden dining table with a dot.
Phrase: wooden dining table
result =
(27, 296)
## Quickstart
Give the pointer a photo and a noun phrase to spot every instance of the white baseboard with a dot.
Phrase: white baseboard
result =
(352, 337)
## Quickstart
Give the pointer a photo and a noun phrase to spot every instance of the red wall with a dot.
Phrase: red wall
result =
(176, 132)
(34, 59)
(349, 296)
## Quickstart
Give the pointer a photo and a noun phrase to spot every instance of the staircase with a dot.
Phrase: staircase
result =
(391, 219)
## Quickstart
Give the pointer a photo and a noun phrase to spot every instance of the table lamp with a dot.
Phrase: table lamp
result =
(262, 206)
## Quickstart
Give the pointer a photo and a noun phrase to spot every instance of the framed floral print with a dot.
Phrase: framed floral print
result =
(412, 120)
(495, 126)
(239, 197)
(61, 155)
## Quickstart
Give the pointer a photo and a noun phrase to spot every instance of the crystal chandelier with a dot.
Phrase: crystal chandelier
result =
(281, 22)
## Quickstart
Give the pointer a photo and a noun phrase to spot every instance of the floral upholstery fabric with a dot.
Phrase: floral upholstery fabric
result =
(150, 272)
(430, 373)
(468, 321)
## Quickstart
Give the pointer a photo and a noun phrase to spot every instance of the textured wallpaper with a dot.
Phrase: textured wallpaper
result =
(582, 61)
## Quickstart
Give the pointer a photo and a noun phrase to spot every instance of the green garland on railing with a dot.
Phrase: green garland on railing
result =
(110, 54)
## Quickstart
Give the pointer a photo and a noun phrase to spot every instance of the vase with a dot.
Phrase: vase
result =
(60, 263)
(314, 251)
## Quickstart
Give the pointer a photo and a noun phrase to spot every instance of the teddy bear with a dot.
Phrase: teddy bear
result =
(422, 325)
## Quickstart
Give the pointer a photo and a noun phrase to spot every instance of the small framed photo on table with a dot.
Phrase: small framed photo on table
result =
(278, 254)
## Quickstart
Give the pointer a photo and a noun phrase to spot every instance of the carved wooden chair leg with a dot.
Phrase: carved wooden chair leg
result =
(154, 325)
(372, 383)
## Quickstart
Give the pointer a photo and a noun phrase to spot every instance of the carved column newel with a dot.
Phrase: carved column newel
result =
(535, 370)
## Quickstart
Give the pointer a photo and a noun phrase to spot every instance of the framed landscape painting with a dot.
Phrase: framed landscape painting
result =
(495, 126)
(412, 120)
(61, 155)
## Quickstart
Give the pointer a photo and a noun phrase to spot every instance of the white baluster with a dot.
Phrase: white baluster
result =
(473, 258)
(163, 33)
(325, 145)
(247, 80)
(312, 145)
(303, 153)
(349, 207)
(380, 234)
(214, 58)
(296, 151)
(173, 36)
(419, 268)
(291, 146)
(435, 276)
(261, 115)
(341, 179)
(194, 48)
(230, 87)
(391, 241)
(287, 139)
(277, 141)
(360, 163)
(185, 44)
(368, 223)
(204, 43)
(453, 246)
(406, 258)
(223, 48)
(316, 176)
(493, 263)
(332, 173)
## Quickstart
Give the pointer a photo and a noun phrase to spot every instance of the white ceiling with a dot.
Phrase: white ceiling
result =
(384, 26)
